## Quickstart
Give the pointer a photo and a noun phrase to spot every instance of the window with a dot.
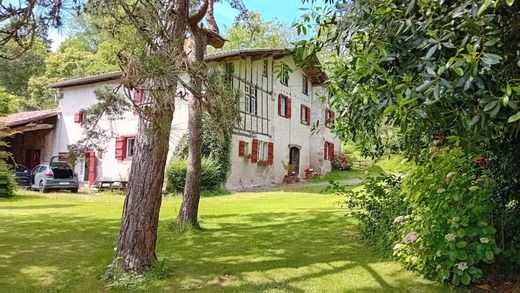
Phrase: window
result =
(329, 116)
(284, 106)
(230, 70)
(284, 75)
(305, 85)
(130, 147)
(266, 67)
(125, 147)
(250, 103)
(243, 148)
(305, 115)
(263, 150)
(78, 117)
(328, 151)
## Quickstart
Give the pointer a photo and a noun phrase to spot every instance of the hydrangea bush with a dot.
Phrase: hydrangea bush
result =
(449, 234)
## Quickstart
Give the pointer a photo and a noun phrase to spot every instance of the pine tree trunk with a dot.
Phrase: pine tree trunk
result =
(138, 234)
(188, 214)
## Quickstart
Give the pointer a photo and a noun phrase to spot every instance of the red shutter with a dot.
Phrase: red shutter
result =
(241, 148)
(280, 105)
(270, 153)
(78, 117)
(120, 148)
(288, 108)
(332, 115)
(331, 156)
(325, 150)
(254, 151)
(308, 110)
(92, 168)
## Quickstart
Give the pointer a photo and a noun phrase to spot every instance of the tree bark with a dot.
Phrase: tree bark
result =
(188, 214)
(138, 234)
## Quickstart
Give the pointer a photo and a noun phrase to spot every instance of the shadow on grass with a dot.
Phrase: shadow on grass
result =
(296, 251)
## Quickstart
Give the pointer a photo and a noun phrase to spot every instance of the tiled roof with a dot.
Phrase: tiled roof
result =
(313, 72)
(86, 80)
(26, 117)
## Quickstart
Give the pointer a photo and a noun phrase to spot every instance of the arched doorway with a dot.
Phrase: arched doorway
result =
(294, 158)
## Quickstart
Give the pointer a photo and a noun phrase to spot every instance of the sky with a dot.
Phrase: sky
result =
(287, 11)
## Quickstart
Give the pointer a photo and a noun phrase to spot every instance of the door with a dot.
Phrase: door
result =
(34, 176)
(294, 159)
(32, 158)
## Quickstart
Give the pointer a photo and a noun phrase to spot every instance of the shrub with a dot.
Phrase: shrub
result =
(176, 175)
(376, 208)
(7, 181)
(341, 162)
(450, 233)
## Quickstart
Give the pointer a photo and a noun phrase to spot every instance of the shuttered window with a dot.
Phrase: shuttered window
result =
(328, 151)
(125, 147)
(78, 117)
(305, 115)
(284, 106)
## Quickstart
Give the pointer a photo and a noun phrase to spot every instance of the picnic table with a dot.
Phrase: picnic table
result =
(102, 185)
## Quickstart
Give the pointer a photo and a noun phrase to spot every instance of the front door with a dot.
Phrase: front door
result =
(294, 159)
(32, 158)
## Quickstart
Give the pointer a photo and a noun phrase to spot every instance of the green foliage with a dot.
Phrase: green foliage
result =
(451, 207)
(424, 67)
(251, 31)
(7, 181)
(341, 162)
(377, 207)
(210, 178)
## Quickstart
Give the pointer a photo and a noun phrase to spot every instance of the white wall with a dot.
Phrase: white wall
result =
(281, 131)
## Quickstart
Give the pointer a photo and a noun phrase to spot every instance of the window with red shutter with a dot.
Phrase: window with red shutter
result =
(325, 150)
(270, 153)
(78, 117)
(241, 148)
(280, 105)
(331, 155)
(254, 151)
(305, 115)
(120, 148)
(308, 116)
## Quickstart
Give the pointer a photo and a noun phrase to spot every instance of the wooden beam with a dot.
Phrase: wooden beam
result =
(33, 127)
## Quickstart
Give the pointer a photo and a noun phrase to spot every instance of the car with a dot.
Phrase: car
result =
(54, 175)
(22, 175)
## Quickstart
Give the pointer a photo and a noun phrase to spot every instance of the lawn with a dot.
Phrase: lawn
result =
(283, 241)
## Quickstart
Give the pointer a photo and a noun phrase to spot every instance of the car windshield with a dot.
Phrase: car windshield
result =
(21, 168)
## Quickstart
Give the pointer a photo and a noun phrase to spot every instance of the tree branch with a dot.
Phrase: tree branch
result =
(197, 17)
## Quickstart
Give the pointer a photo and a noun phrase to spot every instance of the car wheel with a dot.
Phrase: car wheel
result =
(74, 190)
(42, 188)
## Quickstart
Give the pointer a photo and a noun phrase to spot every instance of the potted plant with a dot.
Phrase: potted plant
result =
(309, 172)
(290, 176)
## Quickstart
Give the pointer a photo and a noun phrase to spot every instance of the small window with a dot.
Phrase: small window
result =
(263, 150)
(283, 107)
(305, 113)
(305, 85)
(266, 67)
(326, 151)
(250, 103)
(130, 147)
(230, 71)
(284, 77)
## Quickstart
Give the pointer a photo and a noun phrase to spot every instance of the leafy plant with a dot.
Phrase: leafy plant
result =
(451, 217)
(377, 207)
(176, 175)
(341, 162)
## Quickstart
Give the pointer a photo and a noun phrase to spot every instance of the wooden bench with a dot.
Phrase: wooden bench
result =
(102, 185)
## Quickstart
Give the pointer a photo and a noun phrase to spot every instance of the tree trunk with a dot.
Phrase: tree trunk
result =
(138, 234)
(188, 214)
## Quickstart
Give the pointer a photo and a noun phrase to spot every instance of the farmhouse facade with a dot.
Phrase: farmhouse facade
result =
(282, 120)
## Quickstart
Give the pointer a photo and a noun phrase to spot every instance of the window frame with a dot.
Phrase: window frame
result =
(304, 110)
(128, 154)
(265, 70)
(229, 69)
(305, 85)
(284, 76)
(283, 100)
(327, 151)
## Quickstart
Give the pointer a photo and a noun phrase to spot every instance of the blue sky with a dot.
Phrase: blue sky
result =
(286, 11)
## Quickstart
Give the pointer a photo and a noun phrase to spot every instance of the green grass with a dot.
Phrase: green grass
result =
(284, 241)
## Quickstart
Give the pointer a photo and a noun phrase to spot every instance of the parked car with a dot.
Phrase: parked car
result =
(54, 175)
(22, 175)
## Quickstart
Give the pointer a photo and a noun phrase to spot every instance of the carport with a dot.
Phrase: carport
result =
(32, 136)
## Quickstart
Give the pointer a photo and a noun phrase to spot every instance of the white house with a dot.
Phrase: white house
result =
(277, 118)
